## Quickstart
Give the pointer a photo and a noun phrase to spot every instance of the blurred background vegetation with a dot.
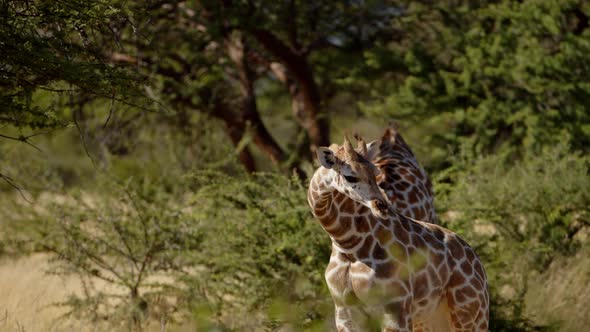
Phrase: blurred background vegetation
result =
(154, 154)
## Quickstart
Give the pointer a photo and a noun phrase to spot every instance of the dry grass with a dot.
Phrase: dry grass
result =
(27, 295)
(562, 293)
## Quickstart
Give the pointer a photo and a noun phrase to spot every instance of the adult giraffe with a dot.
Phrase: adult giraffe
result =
(385, 264)
(402, 178)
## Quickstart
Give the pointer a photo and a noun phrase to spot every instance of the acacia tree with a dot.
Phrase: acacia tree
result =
(497, 84)
(48, 46)
(124, 241)
(196, 56)
(48, 53)
(210, 56)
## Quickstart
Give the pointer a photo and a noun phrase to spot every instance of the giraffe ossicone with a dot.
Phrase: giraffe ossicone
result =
(399, 270)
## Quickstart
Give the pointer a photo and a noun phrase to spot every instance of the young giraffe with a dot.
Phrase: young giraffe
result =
(386, 264)
(402, 179)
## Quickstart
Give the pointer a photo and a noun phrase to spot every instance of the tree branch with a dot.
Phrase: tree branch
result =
(11, 183)
(24, 139)
(236, 132)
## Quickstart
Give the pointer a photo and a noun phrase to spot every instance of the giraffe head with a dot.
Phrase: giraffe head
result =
(354, 175)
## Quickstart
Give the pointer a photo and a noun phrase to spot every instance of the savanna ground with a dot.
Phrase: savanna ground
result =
(154, 154)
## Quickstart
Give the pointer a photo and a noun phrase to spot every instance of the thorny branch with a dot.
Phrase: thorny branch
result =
(11, 183)
(24, 139)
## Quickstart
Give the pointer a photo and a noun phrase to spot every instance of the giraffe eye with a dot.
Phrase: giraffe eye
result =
(351, 179)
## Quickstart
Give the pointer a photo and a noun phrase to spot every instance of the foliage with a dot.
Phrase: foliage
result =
(512, 76)
(520, 217)
(263, 252)
(245, 252)
(131, 242)
(493, 96)
(205, 57)
(542, 201)
(48, 46)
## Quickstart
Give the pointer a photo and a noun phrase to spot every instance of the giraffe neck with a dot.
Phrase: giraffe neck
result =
(345, 220)
(351, 226)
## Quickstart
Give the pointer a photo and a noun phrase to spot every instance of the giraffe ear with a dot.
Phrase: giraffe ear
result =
(372, 150)
(326, 157)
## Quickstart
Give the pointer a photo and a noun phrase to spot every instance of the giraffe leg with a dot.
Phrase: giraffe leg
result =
(350, 319)
(397, 317)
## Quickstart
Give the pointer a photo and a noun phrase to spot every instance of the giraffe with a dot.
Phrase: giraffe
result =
(384, 264)
(403, 180)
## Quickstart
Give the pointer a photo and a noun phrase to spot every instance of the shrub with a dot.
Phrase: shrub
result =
(519, 216)
(263, 255)
(131, 241)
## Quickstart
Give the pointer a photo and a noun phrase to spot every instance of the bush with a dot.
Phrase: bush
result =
(504, 76)
(241, 252)
(263, 254)
(542, 201)
(125, 247)
(519, 217)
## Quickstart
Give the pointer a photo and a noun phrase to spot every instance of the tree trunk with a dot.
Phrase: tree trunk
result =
(250, 115)
(245, 156)
(315, 121)
(297, 107)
